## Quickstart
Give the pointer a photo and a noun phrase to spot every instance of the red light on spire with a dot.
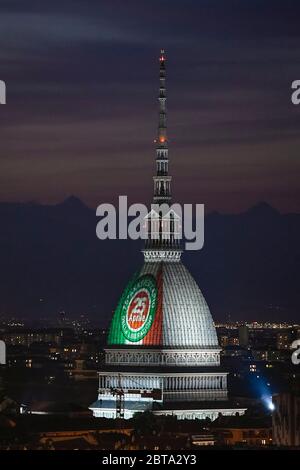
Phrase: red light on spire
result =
(162, 57)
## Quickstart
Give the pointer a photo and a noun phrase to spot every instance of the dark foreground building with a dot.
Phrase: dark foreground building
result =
(286, 419)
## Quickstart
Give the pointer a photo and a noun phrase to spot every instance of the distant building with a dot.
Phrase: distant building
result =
(271, 355)
(284, 340)
(26, 337)
(203, 439)
(235, 351)
(243, 430)
(244, 336)
(286, 419)
(224, 341)
(233, 341)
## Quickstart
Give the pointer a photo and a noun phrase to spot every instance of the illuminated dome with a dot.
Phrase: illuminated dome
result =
(181, 318)
(162, 353)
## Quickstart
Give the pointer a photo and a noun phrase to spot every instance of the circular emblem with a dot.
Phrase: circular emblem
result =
(139, 308)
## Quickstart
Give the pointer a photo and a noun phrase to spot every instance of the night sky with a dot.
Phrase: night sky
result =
(82, 83)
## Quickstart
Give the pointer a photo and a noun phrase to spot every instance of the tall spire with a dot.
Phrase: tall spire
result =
(162, 244)
(162, 180)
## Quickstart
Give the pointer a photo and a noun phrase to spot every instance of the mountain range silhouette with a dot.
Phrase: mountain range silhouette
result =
(51, 260)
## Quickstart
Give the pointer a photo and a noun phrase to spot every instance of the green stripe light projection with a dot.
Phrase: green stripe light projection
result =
(135, 312)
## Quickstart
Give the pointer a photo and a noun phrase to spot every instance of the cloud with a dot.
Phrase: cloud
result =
(82, 84)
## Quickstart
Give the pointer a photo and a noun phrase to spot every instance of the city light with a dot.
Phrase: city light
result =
(267, 401)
